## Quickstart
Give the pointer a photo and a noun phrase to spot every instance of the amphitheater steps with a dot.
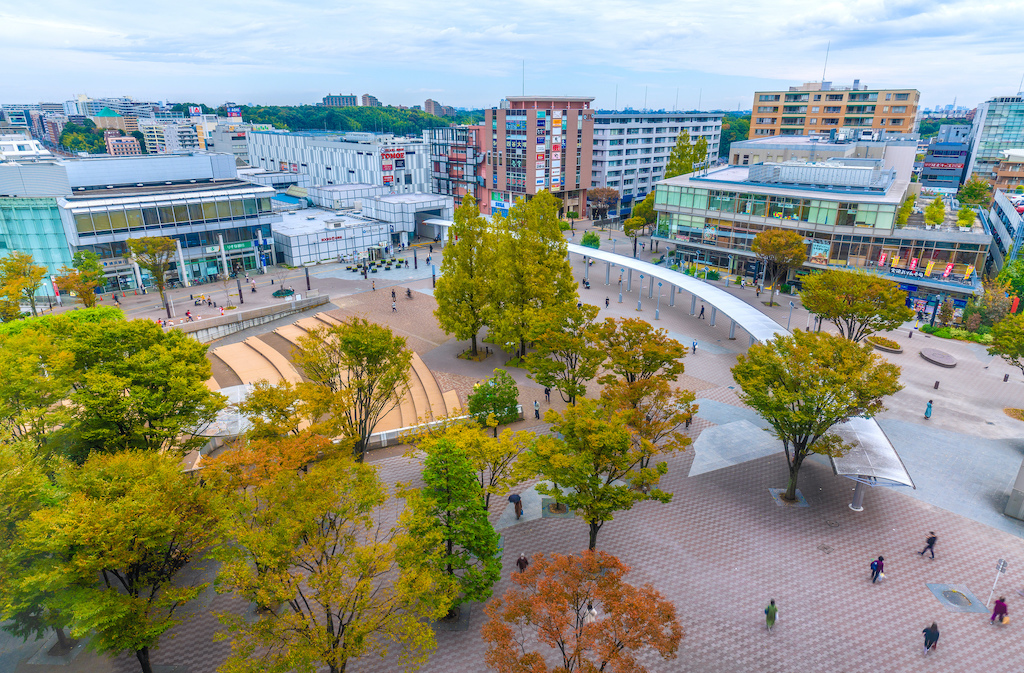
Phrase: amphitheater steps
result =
(280, 363)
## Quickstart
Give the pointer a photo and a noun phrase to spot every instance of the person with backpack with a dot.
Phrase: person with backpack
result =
(930, 544)
(931, 637)
(877, 569)
(771, 613)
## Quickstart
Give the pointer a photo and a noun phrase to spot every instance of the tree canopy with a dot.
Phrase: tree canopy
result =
(734, 127)
(858, 303)
(638, 351)
(779, 250)
(154, 254)
(84, 137)
(463, 288)
(681, 160)
(1008, 340)
(495, 401)
(935, 212)
(601, 200)
(975, 192)
(385, 119)
(1013, 274)
(20, 278)
(567, 353)
(805, 384)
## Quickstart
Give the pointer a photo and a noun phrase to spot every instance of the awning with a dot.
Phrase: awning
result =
(872, 460)
(295, 190)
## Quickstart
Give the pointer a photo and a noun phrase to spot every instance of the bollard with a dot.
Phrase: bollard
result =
(936, 385)
(910, 335)
(1006, 377)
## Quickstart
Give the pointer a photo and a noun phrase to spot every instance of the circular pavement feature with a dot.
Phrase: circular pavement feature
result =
(937, 357)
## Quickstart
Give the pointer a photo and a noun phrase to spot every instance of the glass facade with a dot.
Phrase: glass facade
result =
(99, 220)
(34, 226)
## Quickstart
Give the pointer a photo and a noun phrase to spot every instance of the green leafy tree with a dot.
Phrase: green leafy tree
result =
(113, 543)
(858, 304)
(141, 137)
(1013, 275)
(1008, 340)
(637, 351)
(36, 376)
(905, 211)
(805, 384)
(734, 127)
(975, 192)
(464, 285)
(592, 465)
(349, 584)
(946, 312)
(386, 119)
(20, 278)
(935, 212)
(633, 227)
(531, 272)
(700, 152)
(601, 200)
(965, 217)
(591, 240)
(567, 353)
(645, 209)
(155, 254)
(495, 401)
(995, 303)
(363, 366)
(277, 410)
(548, 606)
(681, 160)
(84, 137)
(450, 508)
(780, 251)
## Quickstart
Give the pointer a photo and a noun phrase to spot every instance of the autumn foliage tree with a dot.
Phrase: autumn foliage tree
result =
(779, 250)
(637, 351)
(601, 200)
(858, 303)
(548, 606)
(567, 354)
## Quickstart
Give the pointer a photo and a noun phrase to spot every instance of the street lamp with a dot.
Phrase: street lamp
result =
(640, 296)
(791, 305)
(657, 310)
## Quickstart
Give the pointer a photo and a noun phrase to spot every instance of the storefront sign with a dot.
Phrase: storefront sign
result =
(710, 233)
(540, 140)
(949, 270)
(242, 245)
(328, 239)
(907, 273)
(881, 258)
(234, 112)
(389, 159)
(540, 156)
(913, 263)
(212, 249)
(928, 269)
(895, 260)
(933, 164)
(908, 288)
(195, 111)
(388, 179)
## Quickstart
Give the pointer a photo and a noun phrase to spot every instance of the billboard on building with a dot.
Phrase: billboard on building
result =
(820, 252)
(195, 111)
(234, 112)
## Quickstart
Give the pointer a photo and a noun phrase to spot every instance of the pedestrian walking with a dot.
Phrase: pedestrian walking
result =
(222, 310)
(536, 409)
(373, 285)
(1000, 614)
(590, 616)
(392, 294)
(431, 249)
(877, 569)
(757, 290)
(701, 316)
(607, 302)
(930, 544)
(931, 637)
(694, 346)
(394, 308)
(522, 563)
(254, 288)
(547, 395)
(771, 613)
(517, 504)
(928, 410)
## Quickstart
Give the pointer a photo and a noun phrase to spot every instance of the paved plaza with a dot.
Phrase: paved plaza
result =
(723, 547)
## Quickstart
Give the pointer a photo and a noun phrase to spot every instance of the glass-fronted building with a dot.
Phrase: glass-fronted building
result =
(998, 126)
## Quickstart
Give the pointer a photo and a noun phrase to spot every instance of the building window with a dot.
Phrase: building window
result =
(902, 96)
(888, 96)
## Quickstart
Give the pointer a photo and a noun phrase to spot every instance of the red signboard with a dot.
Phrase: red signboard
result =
(933, 164)
(388, 179)
(387, 167)
(949, 270)
(913, 263)
(881, 258)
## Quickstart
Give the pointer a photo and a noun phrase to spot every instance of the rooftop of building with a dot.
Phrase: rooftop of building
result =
(560, 99)
(655, 113)
(1012, 155)
(350, 187)
(417, 197)
(317, 220)
(828, 86)
(107, 112)
(198, 188)
(824, 140)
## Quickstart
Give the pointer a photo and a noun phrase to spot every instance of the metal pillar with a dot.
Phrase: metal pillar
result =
(672, 295)
(858, 497)
(693, 304)
(586, 269)
(182, 269)
(223, 256)
(714, 312)
(650, 292)
(137, 273)
(732, 330)
(629, 281)
(640, 294)
(607, 273)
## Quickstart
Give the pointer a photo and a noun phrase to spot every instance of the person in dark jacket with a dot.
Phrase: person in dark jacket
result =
(930, 544)
(522, 563)
(999, 611)
(931, 637)
(877, 567)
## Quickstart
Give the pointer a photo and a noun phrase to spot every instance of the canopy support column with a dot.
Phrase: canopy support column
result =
(858, 497)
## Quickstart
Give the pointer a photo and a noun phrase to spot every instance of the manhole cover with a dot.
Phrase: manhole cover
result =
(825, 548)
(832, 524)
(956, 598)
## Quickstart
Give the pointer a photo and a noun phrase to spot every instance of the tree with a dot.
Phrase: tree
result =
(633, 227)
(906, 208)
(349, 584)
(805, 384)
(935, 212)
(681, 160)
(591, 240)
(1013, 275)
(137, 386)
(779, 250)
(141, 137)
(858, 303)
(637, 351)
(700, 152)
(20, 278)
(965, 217)
(155, 254)
(35, 379)
(113, 542)
(601, 200)
(463, 287)
(83, 278)
(548, 606)
(995, 304)
(946, 312)
(364, 366)
(567, 354)
(645, 209)
(495, 401)
(451, 505)
(531, 272)
(1008, 340)
(975, 192)
(592, 464)
(734, 127)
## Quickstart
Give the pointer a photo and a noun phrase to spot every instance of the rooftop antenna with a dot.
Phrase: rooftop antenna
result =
(827, 47)
(677, 99)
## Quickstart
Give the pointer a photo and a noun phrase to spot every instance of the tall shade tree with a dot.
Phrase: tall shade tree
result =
(20, 278)
(567, 353)
(495, 401)
(601, 201)
(349, 584)
(139, 387)
(1008, 340)
(85, 276)
(975, 192)
(633, 227)
(681, 160)
(637, 351)
(36, 375)
(531, 271)
(1013, 274)
(700, 152)
(858, 303)
(645, 209)
(115, 539)
(155, 254)
(548, 607)
(807, 383)
(462, 288)
(364, 366)
(592, 464)
(450, 509)
(779, 250)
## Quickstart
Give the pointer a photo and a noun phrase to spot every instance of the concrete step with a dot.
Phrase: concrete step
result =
(283, 366)
(452, 402)
(248, 364)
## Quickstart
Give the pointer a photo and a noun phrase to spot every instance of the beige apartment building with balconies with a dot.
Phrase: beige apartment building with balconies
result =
(816, 108)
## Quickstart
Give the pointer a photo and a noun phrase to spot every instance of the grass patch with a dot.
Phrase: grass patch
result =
(468, 355)
(885, 343)
(1017, 414)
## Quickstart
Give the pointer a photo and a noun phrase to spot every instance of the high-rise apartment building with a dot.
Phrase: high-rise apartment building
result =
(371, 101)
(538, 143)
(815, 108)
(631, 148)
(456, 162)
(998, 126)
(169, 135)
(341, 100)
(946, 158)
(434, 108)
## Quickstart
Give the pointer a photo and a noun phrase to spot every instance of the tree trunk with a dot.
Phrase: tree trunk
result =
(474, 345)
(794, 472)
(634, 247)
(594, 528)
(64, 643)
(143, 657)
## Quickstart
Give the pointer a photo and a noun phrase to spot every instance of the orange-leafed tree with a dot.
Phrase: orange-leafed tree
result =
(549, 606)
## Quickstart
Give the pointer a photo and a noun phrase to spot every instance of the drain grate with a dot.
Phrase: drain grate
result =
(825, 548)
(832, 524)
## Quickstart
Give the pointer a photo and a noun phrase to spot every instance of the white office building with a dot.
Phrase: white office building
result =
(631, 148)
(401, 164)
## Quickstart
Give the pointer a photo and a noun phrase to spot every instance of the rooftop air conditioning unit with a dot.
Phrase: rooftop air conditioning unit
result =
(311, 217)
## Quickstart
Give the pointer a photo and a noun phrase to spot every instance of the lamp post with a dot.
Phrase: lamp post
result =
(791, 305)
(640, 295)
(657, 310)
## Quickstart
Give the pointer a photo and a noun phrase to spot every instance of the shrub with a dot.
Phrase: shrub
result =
(785, 289)
(943, 333)
(958, 333)
(886, 343)
(591, 240)
(712, 275)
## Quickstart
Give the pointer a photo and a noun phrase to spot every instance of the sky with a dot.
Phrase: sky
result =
(675, 54)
